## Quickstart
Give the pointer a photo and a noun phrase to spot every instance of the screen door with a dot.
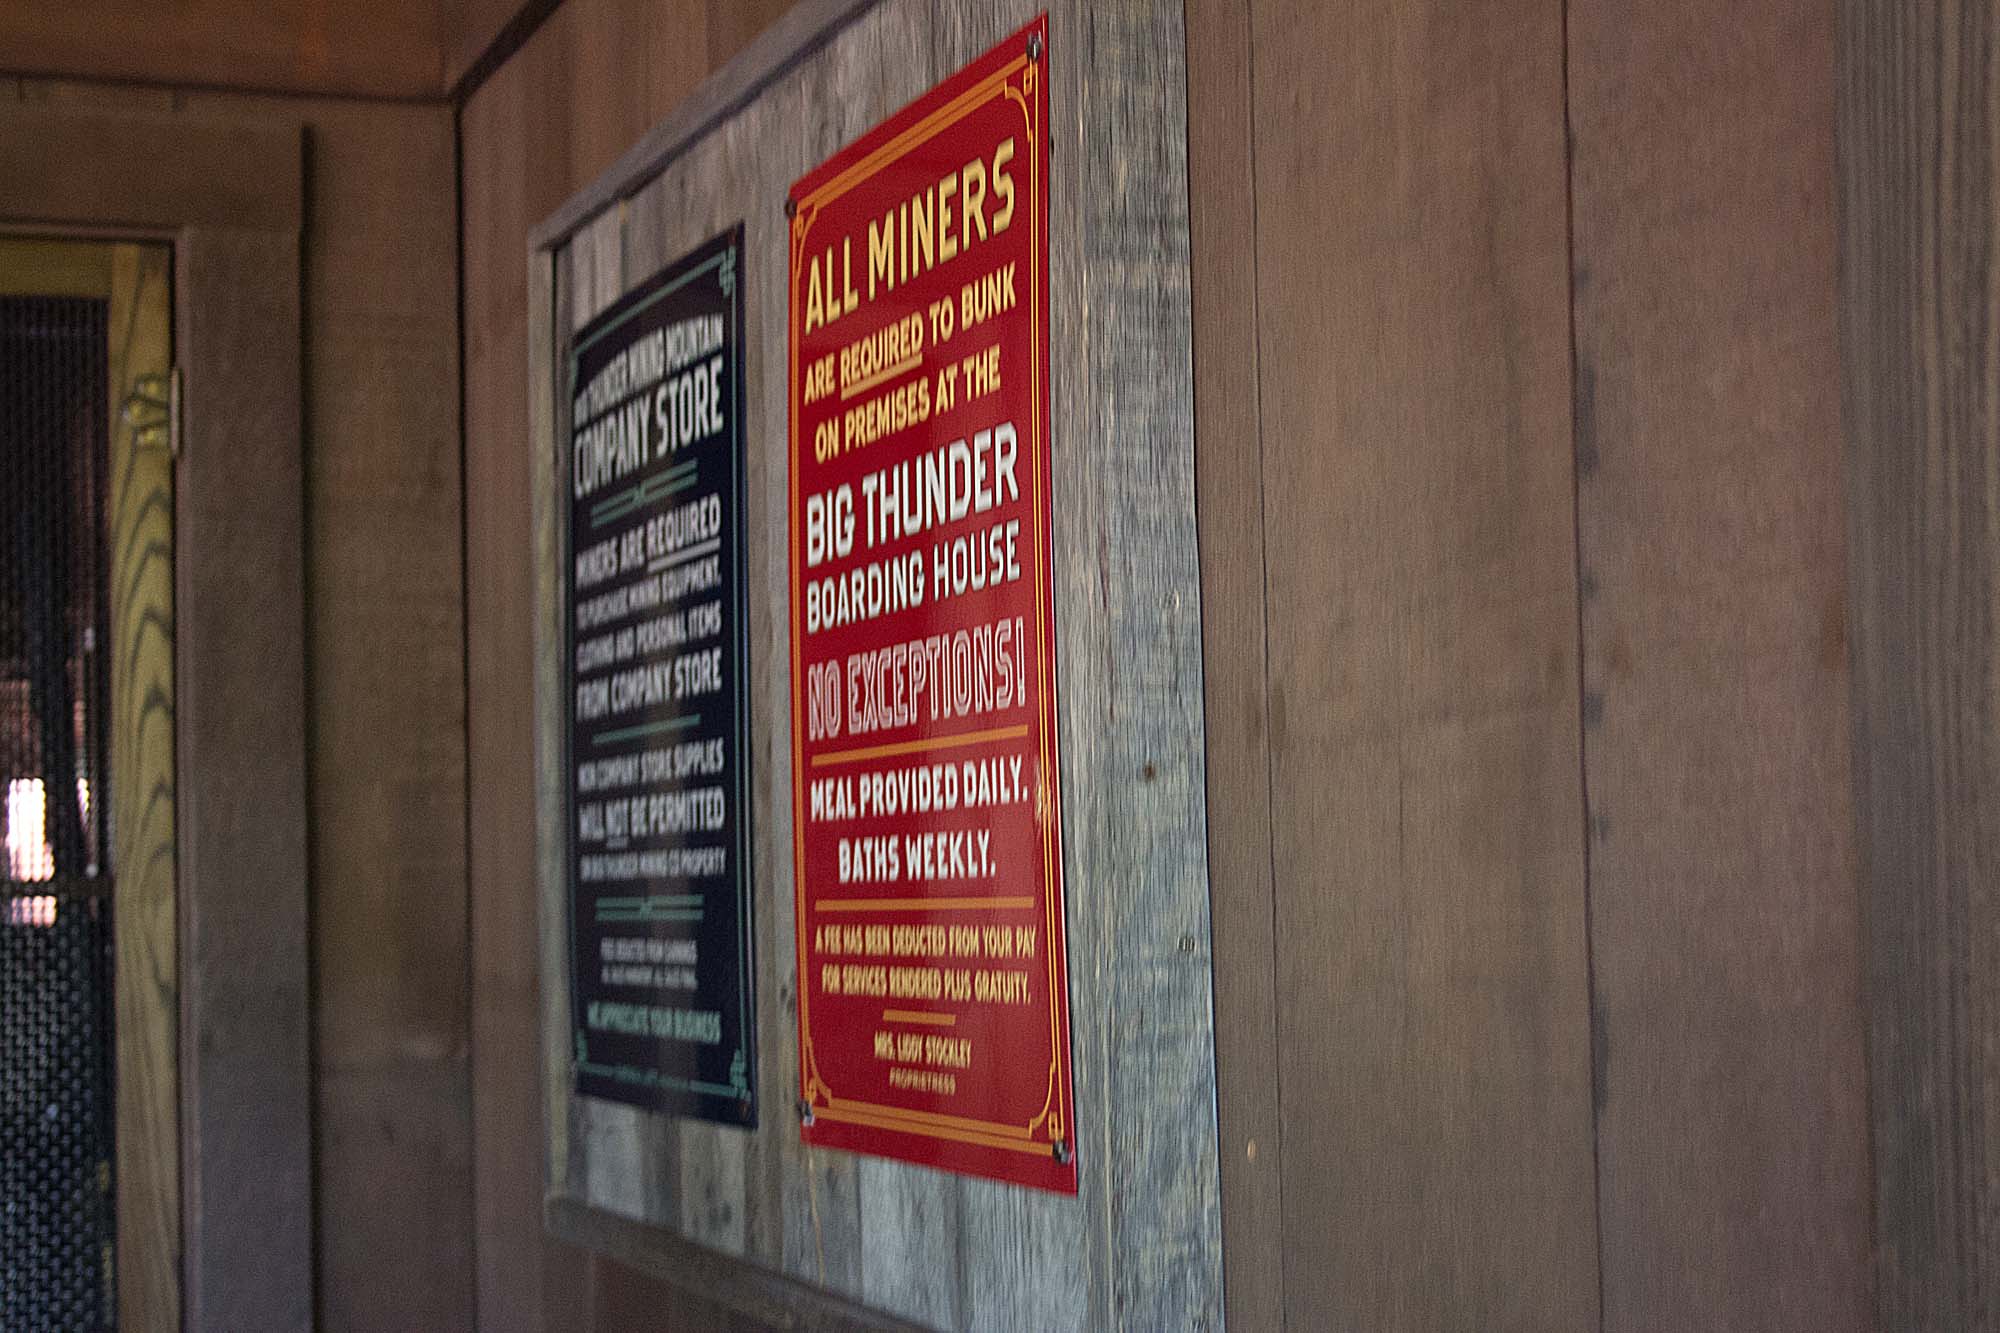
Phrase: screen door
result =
(86, 723)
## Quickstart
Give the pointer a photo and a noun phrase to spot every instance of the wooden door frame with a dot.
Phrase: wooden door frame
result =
(228, 195)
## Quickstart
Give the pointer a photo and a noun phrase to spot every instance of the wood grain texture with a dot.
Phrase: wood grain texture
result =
(1426, 813)
(376, 48)
(1917, 92)
(778, 1229)
(246, 1113)
(1128, 623)
(707, 33)
(1229, 502)
(1732, 1123)
(145, 975)
(734, 24)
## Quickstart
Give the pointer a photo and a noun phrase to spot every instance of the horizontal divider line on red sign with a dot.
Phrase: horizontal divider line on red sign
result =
(1013, 733)
(923, 904)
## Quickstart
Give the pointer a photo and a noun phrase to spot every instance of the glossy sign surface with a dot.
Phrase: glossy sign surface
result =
(933, 996)
(659, 725)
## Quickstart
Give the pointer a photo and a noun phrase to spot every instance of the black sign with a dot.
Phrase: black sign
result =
(659, 735)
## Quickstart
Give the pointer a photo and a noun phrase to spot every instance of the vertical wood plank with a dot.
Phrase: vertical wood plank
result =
(1129, 661)
(145, 977)
(548, 288)
(246, 1154)
(1229, 477)
(805, 1210)
(911, 1244)
(679, 48)
(1426, 818)
(1918, 96)
(1731, 1103)
(766, 134)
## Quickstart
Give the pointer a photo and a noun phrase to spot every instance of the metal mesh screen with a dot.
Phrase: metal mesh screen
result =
(56, 1221)
(56, 1113)
(53, 429)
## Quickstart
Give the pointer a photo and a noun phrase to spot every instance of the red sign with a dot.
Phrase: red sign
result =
(933, 991)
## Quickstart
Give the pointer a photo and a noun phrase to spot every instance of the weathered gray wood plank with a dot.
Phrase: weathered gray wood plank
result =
(548, 436)
(1129, 627)
(764, 135)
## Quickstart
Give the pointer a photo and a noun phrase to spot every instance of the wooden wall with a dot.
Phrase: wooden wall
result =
(1590, 732)
(1538, 931)
(582, 90)
(1391, 322)
(384, 717)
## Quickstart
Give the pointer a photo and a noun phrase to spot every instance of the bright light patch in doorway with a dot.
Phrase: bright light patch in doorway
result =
(29, 857)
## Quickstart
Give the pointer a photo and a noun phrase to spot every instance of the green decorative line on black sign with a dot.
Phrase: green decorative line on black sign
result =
(653, 1078)
(611, 326)
(641, 494)
(647, 729)
(606, 917)
(655, 900)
